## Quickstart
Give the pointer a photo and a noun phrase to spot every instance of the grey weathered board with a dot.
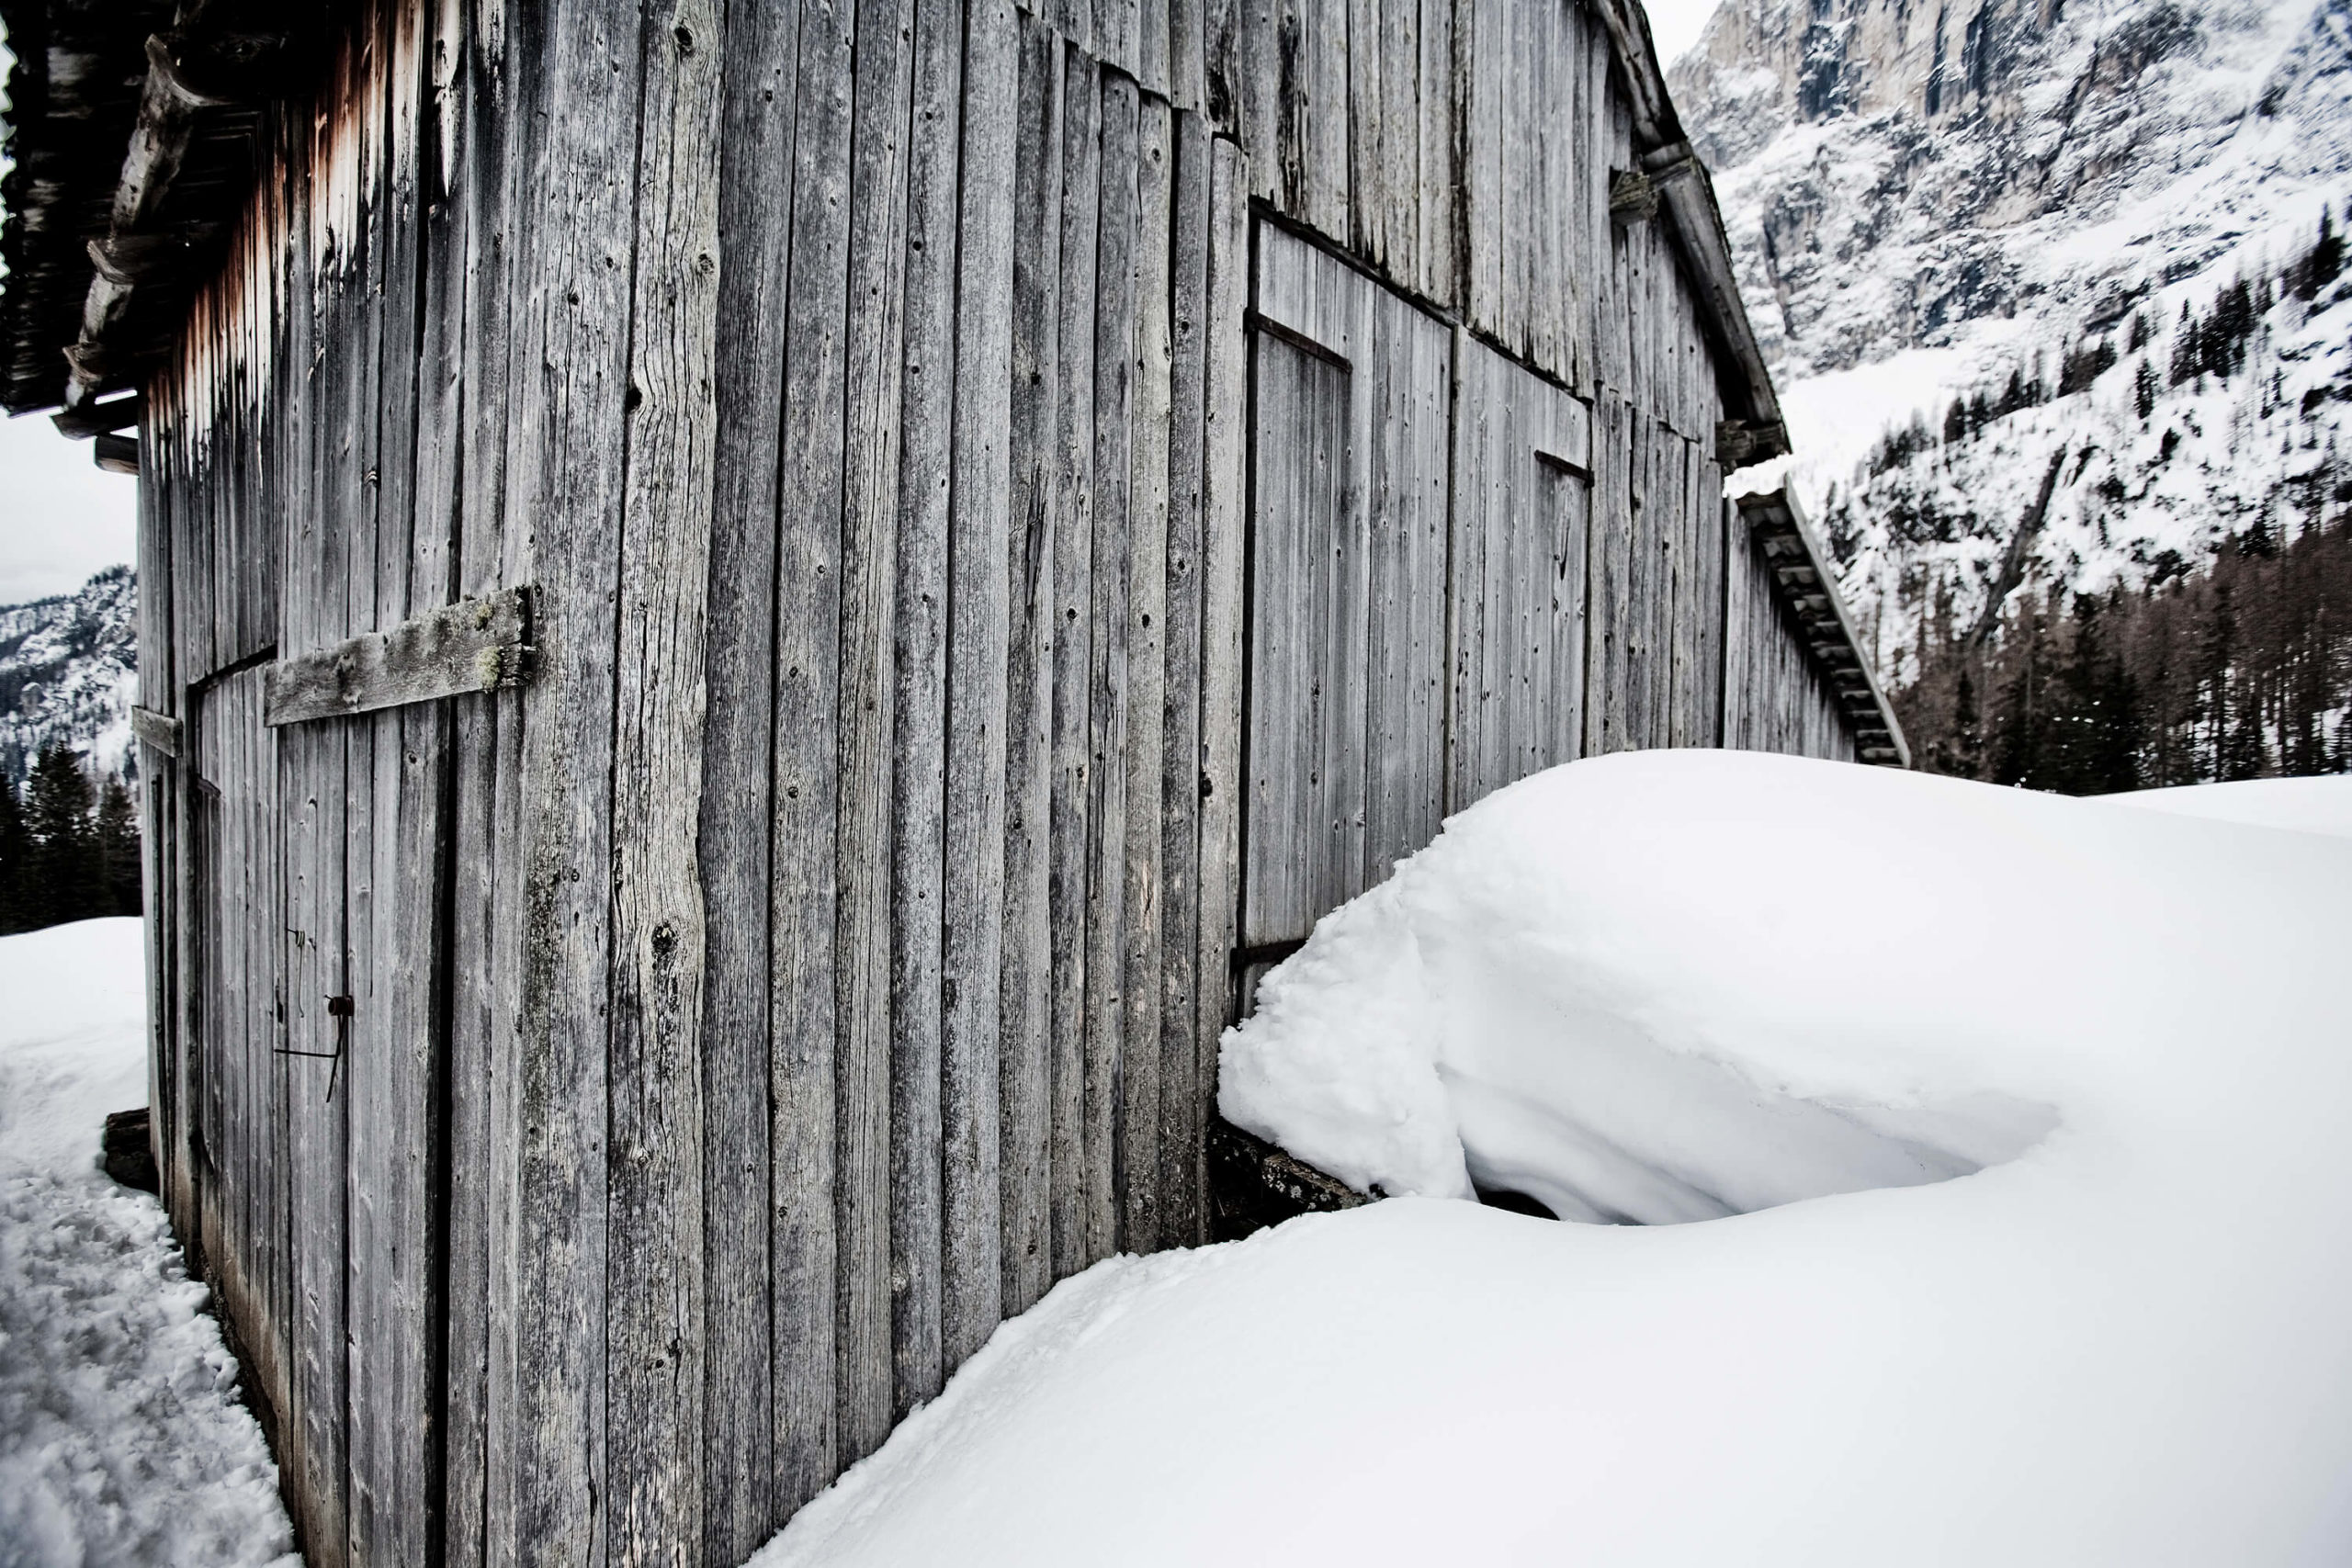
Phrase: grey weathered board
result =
(481, 645)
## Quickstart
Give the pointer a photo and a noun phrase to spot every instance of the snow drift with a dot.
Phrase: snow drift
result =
(2023, 1114)
(121, 1441)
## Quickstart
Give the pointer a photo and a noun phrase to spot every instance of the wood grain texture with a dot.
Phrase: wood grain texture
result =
(1025, 1030)
(1179, 1133)
(971, 948)
(481, 645)
(741, 1479)
(159, 732)
(1071, 740)
(920, 749)
(1223, 550)
(478, 1476)
(829, 1297)
(1142, 905)
(1108, 709)
(571, 398)
(655, 1330)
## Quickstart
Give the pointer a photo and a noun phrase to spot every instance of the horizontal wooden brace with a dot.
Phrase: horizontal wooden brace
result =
(158, 731)
(82, 423)
(477, 645)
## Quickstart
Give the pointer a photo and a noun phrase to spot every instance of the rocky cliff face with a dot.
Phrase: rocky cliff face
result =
(68, 672)
(1930, 199)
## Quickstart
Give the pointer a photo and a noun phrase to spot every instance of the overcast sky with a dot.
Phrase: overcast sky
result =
(62, 519)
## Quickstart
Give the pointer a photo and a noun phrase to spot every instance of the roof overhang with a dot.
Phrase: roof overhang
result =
(131, 127)
(1799, 568)
(1754, 429)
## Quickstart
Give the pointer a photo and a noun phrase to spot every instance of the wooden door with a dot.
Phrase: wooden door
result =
(1345, 723)
(1522, 527)
(234, 1027)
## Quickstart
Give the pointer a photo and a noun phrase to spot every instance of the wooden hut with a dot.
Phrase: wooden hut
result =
(753, 615)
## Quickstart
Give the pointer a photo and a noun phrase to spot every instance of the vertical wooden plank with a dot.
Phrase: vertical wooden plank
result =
(1189, 22)
(1692, 603)
(424, 963)
(487, 165)
(1367, 229)
(1025, 1030)
(1398, 190)
(1407, 660)
(1148, 506)
(1180, 759)
(919, 757)
(832, 1376)
(1107, 708)
(1468, 591)
(1518, 85)
(1224, 540)
(1480, 62)
(1118, 30)
(391, 1080)
(1438, 201)
(1707, 542)
(971, 955)
(655, 1331)
(1330, 176)
(1073, 556)
(1610, 590)
(1257, 86)
(566, 471)
(741, 1474)
(1151, 58)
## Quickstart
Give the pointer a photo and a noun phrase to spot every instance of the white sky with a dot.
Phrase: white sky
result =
(62, 519)
(1676, 25)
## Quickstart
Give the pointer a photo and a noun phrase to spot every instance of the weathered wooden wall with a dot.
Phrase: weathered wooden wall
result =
(826, 950)
(1775, 698)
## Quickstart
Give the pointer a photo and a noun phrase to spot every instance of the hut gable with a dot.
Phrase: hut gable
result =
(757, 621)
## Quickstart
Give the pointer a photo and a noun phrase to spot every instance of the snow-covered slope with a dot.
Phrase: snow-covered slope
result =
(1927, 199)
(2117, 1334)
(68, 674)
(121, 1441)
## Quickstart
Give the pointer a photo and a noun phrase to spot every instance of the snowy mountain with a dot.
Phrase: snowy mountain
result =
(1968, 239)
(68, 672)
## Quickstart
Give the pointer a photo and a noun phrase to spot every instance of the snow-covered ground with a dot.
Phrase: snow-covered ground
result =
(120, 1442)
(2015, 1122)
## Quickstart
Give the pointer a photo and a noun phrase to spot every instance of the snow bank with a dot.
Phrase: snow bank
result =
(1801, 996)
(2304, 806)
(120, 1442)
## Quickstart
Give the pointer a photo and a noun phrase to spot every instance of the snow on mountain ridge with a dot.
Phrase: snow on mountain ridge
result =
(1923, 204)
(69, 673)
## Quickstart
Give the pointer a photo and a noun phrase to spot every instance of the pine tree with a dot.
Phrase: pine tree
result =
(2186, 354)
(2143, 390)
(14, 845)
(67, 879)
(2327, 258)
(116, 831)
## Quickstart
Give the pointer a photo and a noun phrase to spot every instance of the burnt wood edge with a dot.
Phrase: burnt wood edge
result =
(158, 731)
(117, 454)
(475, 645)
(1801, 578)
